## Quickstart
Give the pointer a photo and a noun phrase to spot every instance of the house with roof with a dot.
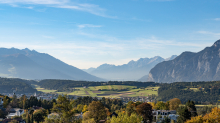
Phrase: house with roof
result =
(165, 113)
(15, 112)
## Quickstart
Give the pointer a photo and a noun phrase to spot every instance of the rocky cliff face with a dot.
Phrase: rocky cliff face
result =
(201, 66)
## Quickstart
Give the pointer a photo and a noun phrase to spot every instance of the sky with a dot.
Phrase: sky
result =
(88, 33)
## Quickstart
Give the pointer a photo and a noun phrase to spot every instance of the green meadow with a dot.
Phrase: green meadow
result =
(114, 91)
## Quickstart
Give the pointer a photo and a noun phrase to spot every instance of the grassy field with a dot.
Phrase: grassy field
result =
(42, 89)
(113, 91)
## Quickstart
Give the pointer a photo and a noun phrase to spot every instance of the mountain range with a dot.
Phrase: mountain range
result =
(30, 64)
(132, 71)
(189, 66)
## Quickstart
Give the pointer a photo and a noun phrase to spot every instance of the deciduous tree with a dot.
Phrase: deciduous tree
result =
(125, 118)
(174, 103)
(64, 108)
(96, 110)
(145, 110)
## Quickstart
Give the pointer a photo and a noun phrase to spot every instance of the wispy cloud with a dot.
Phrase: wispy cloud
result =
(30, 7)
(138, 19)
(155, 43)
(217, 19)
(66, 4)
(105, 49)
(48, 37)
(209, 33)
(88, 25)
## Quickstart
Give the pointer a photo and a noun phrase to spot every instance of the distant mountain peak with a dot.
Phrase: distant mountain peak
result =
(171, 58)
(30, 64)
(26, 49)
(217, 43)
(133, 70)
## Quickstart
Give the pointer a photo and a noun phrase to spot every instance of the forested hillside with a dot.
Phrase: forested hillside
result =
(196, 91)
(62, 84)
(20, 86)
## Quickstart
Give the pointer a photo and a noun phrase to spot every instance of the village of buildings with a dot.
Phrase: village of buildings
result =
(161, 114)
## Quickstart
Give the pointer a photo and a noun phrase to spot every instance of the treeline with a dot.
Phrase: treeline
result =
(24, 103)
(8, 85)
(200, 92)
(63, 84)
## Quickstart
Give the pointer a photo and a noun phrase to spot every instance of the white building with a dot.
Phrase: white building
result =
(165, 113)
(15, 112)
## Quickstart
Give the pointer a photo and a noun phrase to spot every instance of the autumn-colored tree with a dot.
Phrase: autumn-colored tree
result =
(89, 121)
(108, 113)
(198, 119)
(6, 101)
(64, 108)
(160, 105)
(96, 110)
(80, 108)
(145, 110)
(174, 103)
(85, 108)
(130, 108)
(39, 115)
(167, 105)
(125, 118)
(13, 121)
(212, 117)
(153, 105)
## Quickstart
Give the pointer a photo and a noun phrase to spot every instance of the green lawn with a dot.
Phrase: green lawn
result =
(46, 91)
(132, 91)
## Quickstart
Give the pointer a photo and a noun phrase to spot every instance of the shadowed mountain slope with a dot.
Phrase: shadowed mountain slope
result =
(189, 66)
(29, 64)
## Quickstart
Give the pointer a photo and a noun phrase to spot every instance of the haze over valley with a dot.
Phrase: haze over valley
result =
(109, 61)
(132, 71)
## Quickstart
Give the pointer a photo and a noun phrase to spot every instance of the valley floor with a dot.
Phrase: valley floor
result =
(113, 91)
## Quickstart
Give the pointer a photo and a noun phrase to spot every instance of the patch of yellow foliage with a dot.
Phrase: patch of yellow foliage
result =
(213, 117)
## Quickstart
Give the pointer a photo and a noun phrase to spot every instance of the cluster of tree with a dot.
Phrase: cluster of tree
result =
(172, 104)
(24, 103)
(186, 112)
(212, 117)
(8, 85)
(64, 111)
(64, 84)
(205, 91)
(111, 104)
(203, 110)
(35, 115)
(125, 118)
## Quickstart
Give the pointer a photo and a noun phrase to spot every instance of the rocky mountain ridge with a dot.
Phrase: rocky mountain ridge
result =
(189, 66)
(132, 71)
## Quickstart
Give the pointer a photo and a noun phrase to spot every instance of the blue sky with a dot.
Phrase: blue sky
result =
(88, 33)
